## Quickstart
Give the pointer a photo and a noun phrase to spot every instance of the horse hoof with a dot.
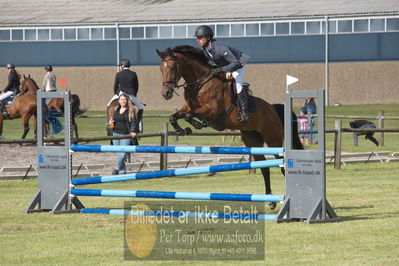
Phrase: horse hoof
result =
(272, 205)
(188, 131)
(181, 132)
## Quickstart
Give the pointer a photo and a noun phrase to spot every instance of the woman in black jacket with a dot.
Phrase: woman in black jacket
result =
(123, 122)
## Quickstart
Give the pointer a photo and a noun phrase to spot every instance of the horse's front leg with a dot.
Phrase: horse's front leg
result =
(179, 115)
(34, 118)
(26, 126)
(1, 127)
(189, 117)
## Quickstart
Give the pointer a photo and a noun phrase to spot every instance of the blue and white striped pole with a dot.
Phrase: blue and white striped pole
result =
(177, 172)
(179, 149)
(177, 195)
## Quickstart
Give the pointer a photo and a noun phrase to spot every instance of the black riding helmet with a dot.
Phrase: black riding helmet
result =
(48, 68)
(124, 62)
(10, 66)
(204, 31)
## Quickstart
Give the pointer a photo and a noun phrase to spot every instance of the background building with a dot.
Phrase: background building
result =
(84, 40)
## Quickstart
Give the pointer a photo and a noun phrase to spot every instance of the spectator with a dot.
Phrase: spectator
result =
(363, 124)
(303, 126)
(310, 107)
(124, 122)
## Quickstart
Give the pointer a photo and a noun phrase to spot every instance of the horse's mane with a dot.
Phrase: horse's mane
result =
(192, 52)
(34, 83)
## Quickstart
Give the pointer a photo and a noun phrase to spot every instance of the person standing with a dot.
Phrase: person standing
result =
(12, 87)
(303, 122)
(310, 107)
(126, 81)
(226, 59)
(123, 122)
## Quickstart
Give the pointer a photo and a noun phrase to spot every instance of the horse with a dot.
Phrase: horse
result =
(29, 85)
(23, 106)
(209, 102)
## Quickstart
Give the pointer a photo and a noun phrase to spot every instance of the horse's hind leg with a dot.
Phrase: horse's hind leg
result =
(75, 127)
(254, 139)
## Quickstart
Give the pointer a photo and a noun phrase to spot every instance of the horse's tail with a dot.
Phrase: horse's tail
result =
(76, 110)
(295, 134)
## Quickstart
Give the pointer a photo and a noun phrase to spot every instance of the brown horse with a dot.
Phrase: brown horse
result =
(23, 106)
(30, 86)
(208, 99)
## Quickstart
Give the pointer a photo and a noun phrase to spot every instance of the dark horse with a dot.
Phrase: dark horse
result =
(30, 86)
(209, 101)
(23, 106)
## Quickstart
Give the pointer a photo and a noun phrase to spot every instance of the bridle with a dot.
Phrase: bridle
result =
(173, 84)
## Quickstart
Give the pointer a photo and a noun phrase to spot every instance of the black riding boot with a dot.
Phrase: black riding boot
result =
(243, 102)
(3, 109)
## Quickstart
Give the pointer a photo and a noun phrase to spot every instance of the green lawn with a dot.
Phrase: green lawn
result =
(363, 195)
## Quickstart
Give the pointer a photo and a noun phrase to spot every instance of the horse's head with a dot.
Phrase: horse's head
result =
(29, 85)
(171, 72)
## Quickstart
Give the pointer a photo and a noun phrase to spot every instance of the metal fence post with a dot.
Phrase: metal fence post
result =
(381, 125)
(337, 144)
(251, 171)
(163, 160)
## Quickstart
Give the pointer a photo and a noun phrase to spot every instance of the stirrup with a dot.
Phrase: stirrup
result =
(242, 118)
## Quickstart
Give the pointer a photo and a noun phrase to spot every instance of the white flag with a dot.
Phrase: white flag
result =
(291, 80)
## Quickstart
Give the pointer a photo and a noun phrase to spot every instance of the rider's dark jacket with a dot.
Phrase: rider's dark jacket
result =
(224, 56)
(127, 82)
(13, 82)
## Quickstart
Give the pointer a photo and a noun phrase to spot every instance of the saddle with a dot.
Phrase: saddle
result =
(218, 123)
(7, 102)
(10, 100)
(233, 96)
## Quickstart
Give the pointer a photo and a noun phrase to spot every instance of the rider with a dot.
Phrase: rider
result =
(228, 60)
(12, 88)
(49, 85)
(49, 80)
(126, 81)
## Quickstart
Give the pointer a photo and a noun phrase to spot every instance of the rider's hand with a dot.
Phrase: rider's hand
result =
(229, 75)
(216, 71)
(133, 134)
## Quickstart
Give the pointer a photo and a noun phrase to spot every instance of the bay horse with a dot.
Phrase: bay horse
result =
(23, 106)
(209, 103)
(30, 86)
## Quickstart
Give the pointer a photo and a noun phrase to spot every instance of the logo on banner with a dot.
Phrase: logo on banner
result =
(290, 163)
(41, 158)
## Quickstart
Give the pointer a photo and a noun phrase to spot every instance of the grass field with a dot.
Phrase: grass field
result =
(365, 196)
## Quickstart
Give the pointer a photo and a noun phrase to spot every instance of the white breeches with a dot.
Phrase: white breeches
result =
(239, 77)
